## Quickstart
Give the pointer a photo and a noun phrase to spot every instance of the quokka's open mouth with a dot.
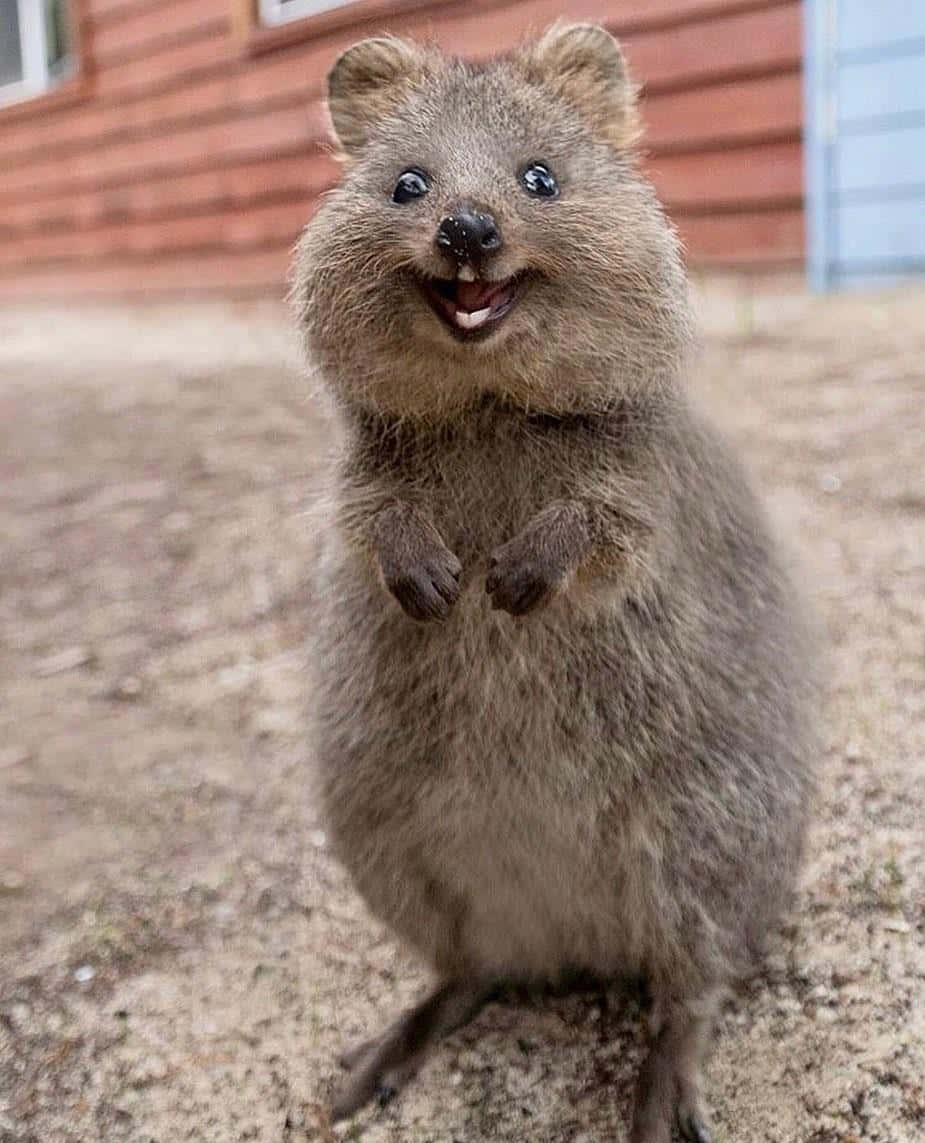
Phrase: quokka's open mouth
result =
(472, 309)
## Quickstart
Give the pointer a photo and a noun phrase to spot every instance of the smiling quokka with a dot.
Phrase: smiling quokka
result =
(561, 705)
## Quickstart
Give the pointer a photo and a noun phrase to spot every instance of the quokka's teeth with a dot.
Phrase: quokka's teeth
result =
(473, 320)
(465, 273)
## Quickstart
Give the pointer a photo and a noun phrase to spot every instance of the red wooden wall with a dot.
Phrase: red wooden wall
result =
(189, 152)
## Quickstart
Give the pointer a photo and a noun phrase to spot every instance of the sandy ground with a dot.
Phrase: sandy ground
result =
(179, 957)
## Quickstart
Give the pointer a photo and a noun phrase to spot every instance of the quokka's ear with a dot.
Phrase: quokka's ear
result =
(584, 65)
(366, 83)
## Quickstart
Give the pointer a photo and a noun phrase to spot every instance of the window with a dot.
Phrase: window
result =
(282, 11)
(35, 47)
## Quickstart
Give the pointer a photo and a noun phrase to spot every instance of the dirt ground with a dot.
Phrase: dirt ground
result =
(179, 957)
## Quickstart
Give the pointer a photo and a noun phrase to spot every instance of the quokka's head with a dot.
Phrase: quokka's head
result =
(492, 233)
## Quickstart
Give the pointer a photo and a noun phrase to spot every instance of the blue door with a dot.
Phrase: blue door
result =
(865, 140)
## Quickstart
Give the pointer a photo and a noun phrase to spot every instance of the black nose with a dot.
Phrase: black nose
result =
(468, 235)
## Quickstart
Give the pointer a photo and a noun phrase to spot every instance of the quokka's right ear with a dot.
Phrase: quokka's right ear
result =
(367, 82)
(584, 65)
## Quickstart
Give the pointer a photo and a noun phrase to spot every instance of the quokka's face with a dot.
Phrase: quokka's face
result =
(484, 210)
(471, 205)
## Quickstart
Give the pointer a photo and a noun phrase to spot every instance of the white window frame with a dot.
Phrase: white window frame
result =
(275, 12)
(33, 42)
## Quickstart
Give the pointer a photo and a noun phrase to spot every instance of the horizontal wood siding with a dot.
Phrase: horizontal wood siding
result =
(194, 158)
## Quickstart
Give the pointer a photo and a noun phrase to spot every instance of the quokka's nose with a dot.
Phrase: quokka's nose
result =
(468, 235)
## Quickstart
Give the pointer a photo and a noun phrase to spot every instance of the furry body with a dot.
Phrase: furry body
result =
(582, 789)
(612, 778)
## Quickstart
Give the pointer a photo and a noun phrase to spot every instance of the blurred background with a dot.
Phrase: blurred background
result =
(180, 145)
(179, 956)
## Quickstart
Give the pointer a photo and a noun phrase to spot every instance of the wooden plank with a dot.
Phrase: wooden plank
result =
(240, 186)
(881, 88)
(253, 227)
(870, 24)
(769, 107)
(880, 160)
(118, 41)
(744, 42)
(881, 233)
(200, 148)
(104, 11)
(621, 16)
(765, 238)
(104, 123)
(207, 48)
(263, 272)
(628, 14)
(233, 89)
(760, 42)
(765, 174)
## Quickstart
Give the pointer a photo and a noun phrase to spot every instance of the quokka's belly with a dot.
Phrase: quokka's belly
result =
(470, 776)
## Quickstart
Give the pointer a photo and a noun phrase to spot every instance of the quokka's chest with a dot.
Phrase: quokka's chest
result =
(483, 485)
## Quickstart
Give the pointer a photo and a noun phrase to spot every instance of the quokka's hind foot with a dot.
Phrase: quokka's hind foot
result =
(669, 1091)
(380, 1068)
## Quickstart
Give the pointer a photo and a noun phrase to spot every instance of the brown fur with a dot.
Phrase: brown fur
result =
(615, 783)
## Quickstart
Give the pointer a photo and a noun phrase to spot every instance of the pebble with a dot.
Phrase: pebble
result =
(177, 522)
(897, 925)
(318, 838)
(151, 1068)
(11, 881)
(830, 483)
(67, 660)
(84, 974)
(13, 756)
(224, 912)
(262, 596)
(236, 677)
(272, 721)
(20, 1014)
(128, 688)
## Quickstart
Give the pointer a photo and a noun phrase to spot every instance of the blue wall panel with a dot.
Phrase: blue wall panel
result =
(888, 89)
(869, 24)
(881, 161)
(865, 139)
(873, 234)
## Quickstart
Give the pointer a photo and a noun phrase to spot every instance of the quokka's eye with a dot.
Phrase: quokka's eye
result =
(538, 180)
(411, 184)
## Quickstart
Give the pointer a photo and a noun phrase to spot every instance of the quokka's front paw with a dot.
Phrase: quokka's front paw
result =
(522, 577)
(427, 585)
(417, 566)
